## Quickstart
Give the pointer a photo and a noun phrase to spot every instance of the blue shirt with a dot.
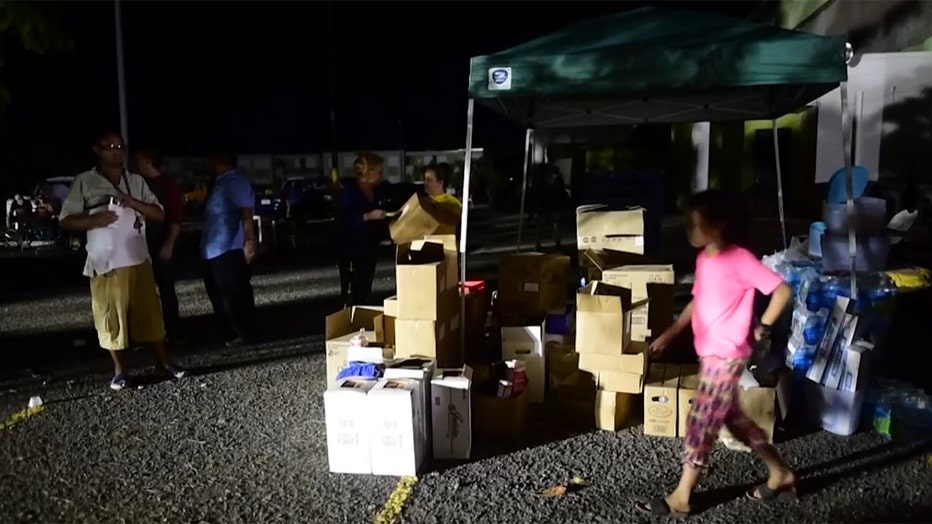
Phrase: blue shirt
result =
(223, 215)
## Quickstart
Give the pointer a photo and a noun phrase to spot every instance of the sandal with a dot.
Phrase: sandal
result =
(764, 494)
(658, 508)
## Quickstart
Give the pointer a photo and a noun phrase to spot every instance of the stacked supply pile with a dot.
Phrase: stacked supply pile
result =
(608, 239)
(427, 304)
(346, 328)
(531, 286)
(654, 282)
(603, 341)
(391, 424)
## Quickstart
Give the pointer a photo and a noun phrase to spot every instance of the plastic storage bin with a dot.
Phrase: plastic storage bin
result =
(872, 217)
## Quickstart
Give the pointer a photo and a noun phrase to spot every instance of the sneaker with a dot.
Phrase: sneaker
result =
(172, 371)
(119, 382)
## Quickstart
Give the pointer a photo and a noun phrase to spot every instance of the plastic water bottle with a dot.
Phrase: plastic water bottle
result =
(35, 402)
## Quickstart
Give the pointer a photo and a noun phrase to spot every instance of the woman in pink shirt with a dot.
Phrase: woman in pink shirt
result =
(721, 311)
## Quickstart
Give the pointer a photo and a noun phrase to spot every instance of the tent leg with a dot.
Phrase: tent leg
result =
(776, 161)
(464, 222)
(528, 151)
(852, 212)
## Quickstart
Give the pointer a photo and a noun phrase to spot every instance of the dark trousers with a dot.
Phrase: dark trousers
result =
(230, 292)
(165, 280)
(356, 275)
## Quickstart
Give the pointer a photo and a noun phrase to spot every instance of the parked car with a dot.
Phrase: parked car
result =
(269, 205)
(307, 198)
(55, 188)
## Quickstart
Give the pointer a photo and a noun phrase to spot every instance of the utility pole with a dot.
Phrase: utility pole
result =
(121, 76)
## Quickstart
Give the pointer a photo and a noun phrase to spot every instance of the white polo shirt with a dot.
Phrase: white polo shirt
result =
(120, 244)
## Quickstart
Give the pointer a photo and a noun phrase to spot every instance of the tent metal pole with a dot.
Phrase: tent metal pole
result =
(852, 212)
(776, 160)
(528, 152)
(464, 221)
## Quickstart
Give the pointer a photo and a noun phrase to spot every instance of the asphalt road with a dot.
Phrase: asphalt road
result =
(243, 438)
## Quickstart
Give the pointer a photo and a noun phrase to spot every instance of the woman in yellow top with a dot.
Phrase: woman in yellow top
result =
(449, 209)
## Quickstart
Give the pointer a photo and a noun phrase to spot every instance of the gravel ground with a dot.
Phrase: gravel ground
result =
(244, 440)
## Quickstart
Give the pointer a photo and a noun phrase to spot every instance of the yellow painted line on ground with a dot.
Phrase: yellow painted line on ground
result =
(391, 513)
(20, 416)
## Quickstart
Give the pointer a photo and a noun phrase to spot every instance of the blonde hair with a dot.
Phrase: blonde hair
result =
(367, 161)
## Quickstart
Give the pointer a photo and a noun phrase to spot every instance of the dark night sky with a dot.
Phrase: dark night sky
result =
(253, 76)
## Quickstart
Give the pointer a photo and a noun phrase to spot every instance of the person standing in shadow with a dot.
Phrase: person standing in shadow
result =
(162, 236)
(229, 246)
(362, 227)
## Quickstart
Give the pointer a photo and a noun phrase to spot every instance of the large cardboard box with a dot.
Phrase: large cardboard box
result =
(416, 219)
(633, 360)
(451, 411)
(421, 370)
(437, 340)
(660, 400)
(396, 412)
(346, 411)
(613, 410)
(603, 319)
(620, 382)
(594, 262)
(562, 363)
(341, 326)
(600, 229)
(654, 282)
(496, 417)
(526, 343)
(426, 279)
(532, 285)
(689, 384)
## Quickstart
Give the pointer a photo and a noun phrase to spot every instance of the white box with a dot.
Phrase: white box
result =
(421, 370)
(396, 414)
(855, 358)
(347, 417)
(527, 344)
(451, 407)
(836, 368)
(833, 328)
(837, 412)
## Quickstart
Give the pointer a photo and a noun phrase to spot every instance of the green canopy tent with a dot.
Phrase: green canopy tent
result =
(656, 65)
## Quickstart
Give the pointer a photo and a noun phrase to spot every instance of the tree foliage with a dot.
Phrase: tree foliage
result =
(33, 26)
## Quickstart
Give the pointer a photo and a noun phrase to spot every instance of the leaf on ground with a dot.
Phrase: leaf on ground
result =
(559, 490)
(555, 491)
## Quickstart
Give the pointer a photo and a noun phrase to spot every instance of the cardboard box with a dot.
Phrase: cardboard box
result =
(421, 370)
(390, 306)
(833, 328)
(416, 219)
(533, 285)
(760, 404)
(634, 361)
(620, 382)
(856, 362)
(346, 411)
(593, 263)
(613, 410)
(426, 279)
(451, 410)
(600, 229)
(835, 372)
(396, 415)
(660, 400)
(496, 417)
(562, 363)
(439, 341)
(341, 326)
(527, 344)
(603, 319)
(661, 292)
(688, 385)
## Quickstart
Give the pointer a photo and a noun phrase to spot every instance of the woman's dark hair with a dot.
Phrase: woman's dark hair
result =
(151, 155)
(441, 171)
(723, 211)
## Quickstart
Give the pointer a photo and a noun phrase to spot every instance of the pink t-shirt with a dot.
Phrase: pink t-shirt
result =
(723, 301)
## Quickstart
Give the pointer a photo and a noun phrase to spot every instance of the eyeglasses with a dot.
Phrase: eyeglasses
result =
(111, 146)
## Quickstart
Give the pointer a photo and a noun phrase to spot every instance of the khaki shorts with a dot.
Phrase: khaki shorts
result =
(126, 307)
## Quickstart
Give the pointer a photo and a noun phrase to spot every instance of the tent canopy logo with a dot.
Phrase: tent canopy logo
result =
(499, 78)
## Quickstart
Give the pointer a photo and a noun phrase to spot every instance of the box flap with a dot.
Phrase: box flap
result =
(416, 219)
(455, 378)
(598, 221)
(420, 252)
(599, 297)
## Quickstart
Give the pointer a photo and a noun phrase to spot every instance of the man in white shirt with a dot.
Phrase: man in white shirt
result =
(112, 205)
